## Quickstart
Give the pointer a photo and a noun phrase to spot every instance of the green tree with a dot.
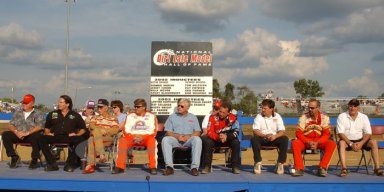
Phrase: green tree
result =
(216, 89)
(228, 92)
(381, 96)
(8, 100)
(248, 101)
(308, 88)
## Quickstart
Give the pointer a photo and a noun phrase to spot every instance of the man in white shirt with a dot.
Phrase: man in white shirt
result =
(269, 130)
(354, 131)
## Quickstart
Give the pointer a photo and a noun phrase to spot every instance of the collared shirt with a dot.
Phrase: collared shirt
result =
(353, 129)
(105, 121)
(35, 118)
(268, 125)
(182, 124)
(60, 125)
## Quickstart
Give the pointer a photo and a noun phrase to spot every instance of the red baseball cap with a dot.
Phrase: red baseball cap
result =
(28, 98)
(217, 104)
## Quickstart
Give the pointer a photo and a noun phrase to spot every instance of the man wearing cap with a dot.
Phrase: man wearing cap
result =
(25, 127)
(102, 128)
(354, 131)
(88, 112)
(223, 130)
(63, 126)
(215, 110)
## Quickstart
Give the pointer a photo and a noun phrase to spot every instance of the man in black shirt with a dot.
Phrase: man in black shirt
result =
(63, 126)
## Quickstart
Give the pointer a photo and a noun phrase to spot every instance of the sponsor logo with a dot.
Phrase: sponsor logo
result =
(169, 57)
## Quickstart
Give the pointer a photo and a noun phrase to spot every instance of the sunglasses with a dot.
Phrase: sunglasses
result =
(181, 106)
(99, 107)
(138, 106)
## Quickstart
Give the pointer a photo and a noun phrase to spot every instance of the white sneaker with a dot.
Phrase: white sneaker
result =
(279, 169)
(257, 168)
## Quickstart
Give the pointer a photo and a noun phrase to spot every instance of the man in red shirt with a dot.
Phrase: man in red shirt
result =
(313, 133)
(223, 130)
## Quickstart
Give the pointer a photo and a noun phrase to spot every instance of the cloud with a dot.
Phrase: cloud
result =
(298, 11)
(56, 58)
(261, 55)
(199, 15)
(14, 35)
(364, 84)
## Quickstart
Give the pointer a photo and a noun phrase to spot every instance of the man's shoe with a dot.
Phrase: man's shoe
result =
(68, 168)
(33, 164)
(194, 172)
(153, 171)
(378, 172)
(343, 173)
(51, 167)
(298, 173)
(14, 160)
(89, 169)
(257, 168)
(206, 170)
(168, 171)
(235, 170)
(279, 169)
(117, 170)
(321, 172)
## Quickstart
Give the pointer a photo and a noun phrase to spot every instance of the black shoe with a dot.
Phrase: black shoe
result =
(33, 164)
(68, 168)
(153, 171)
(194, 172)
(168, 171)
(51, 167)
(14, 160)
(117, 170)
(235, 170)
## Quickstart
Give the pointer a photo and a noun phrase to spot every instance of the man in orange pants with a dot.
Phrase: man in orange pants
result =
(313, 133)
(139, 129)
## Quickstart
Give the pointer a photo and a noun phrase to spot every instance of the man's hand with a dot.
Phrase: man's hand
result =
(71, 134)
(313, 145)
(271, 137)
(357, 146)
(137, 139)
(223, 137)
(20, 134)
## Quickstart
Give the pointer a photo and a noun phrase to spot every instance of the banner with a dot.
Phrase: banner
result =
(181, 70)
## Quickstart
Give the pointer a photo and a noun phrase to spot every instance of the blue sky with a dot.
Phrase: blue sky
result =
(263, 44)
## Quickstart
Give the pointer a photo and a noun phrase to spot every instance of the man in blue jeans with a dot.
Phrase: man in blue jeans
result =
(182, 130)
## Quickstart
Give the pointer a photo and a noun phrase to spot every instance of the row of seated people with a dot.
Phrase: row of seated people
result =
(183, 130)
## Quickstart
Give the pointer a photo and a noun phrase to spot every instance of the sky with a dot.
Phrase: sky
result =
(262, 44)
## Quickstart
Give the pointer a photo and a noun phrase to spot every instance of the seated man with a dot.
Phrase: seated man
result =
(103, 128)
(222, 131)
(25, 126)
(354, 130)
(182, 130)
(139, 129)
(63, 126)
(215, 110)
(313, 133)
(269, 130)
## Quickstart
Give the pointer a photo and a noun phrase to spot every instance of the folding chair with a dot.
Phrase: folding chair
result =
(227, 154)
(362, 157)
(270, 148)
(378, 130)
(26, 144)
(1, 148)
